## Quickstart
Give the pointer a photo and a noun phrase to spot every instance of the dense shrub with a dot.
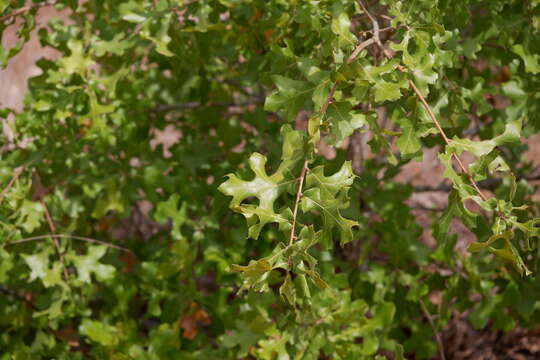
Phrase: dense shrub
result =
(187, 179)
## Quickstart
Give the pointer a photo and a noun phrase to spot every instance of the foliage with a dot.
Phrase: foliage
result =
(163, 195)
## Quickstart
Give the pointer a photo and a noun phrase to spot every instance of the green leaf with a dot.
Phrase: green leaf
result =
(507, 253)
(340, 181)
(316, 200)
(529, 59)
(99, 332)
(160, 37)
(267, 188)
(288, 290)
(343, 122)
(459, 182)
(78, 62)
(421, 61)
(89, 264)
(30, 215)
(40, 269)
(131, 11)
(255, 275)
(441, 227)
(38, 264)
(340, 26)
(480, 168)
(290, 96)
(510, 135)
(169, 210)
(388, 91)
(328, 194)
(408, 143)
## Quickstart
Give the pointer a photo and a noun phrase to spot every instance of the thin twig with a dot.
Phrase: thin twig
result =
(297, 201)
(56, 243)
(197, 104)
(16, 173)
(383, 29)
(432, 323)
(328, 99)
(67, 236)
(359, 48)
(24, 9)
(430, 112)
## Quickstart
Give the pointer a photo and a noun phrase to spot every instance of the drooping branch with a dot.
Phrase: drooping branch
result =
(422, 99)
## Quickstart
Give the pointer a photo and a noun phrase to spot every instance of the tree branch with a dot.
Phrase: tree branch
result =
(376, 29)
(24, 9)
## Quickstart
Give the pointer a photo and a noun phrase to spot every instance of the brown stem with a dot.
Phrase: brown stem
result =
(432, 323)
(328, 99)
(359, 48)
(56, 243)
(297, 201)
(446, 139)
